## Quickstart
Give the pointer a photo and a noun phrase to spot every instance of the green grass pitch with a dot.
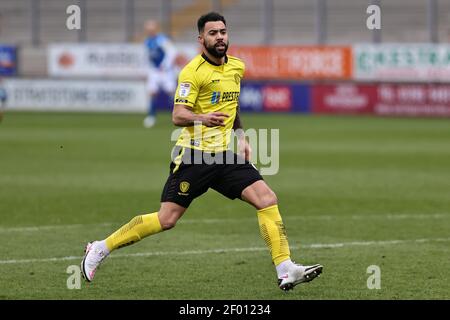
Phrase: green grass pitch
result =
(353, 191)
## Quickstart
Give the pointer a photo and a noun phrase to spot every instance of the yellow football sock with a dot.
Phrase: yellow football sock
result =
(274, 234)
(138, 228)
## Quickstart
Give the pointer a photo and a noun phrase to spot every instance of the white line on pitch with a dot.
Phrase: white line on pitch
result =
(51, 227)
(230, 220)
(227, 250)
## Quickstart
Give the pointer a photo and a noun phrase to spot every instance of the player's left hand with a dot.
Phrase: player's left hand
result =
(244, 149)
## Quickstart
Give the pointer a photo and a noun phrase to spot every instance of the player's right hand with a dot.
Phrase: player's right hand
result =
(214, 119)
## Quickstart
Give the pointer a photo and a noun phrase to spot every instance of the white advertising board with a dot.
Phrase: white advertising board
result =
(76, 95)
(97, 60)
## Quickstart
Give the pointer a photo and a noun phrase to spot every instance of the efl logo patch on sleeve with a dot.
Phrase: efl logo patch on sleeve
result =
(184, 90)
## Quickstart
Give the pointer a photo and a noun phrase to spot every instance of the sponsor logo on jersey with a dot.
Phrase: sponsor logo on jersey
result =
(215, 98)
(226, 96)
(230, 96)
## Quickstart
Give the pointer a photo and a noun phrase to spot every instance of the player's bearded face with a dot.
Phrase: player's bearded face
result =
(216, 47)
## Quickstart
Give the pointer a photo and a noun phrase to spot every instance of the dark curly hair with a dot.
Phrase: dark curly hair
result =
(211, 16)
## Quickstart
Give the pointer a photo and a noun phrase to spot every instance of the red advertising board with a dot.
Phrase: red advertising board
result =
(431, 100)
(343, 98)
(295, 62)
(413, 100)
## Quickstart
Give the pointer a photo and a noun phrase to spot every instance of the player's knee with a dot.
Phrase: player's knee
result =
(168, 218)
(268, 199)
(168, 223)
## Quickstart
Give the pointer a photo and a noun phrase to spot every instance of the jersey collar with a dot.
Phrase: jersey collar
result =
(204, 56)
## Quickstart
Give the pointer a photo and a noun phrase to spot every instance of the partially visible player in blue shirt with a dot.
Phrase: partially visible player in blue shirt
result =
(162, 73)
(3, 97)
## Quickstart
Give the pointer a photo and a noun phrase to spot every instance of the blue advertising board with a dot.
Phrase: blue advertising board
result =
(262, 96)
(8, 60)
(270, 96)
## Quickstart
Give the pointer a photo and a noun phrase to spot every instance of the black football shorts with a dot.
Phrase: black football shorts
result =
(193, 172)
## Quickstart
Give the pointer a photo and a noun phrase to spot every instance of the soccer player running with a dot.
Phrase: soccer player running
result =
(207, 99)
(161, 73)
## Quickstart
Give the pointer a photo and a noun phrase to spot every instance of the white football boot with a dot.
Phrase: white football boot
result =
(298, 274)
(94, 256)
(149, 121)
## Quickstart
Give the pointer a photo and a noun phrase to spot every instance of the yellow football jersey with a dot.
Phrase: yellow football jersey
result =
(207, 87)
